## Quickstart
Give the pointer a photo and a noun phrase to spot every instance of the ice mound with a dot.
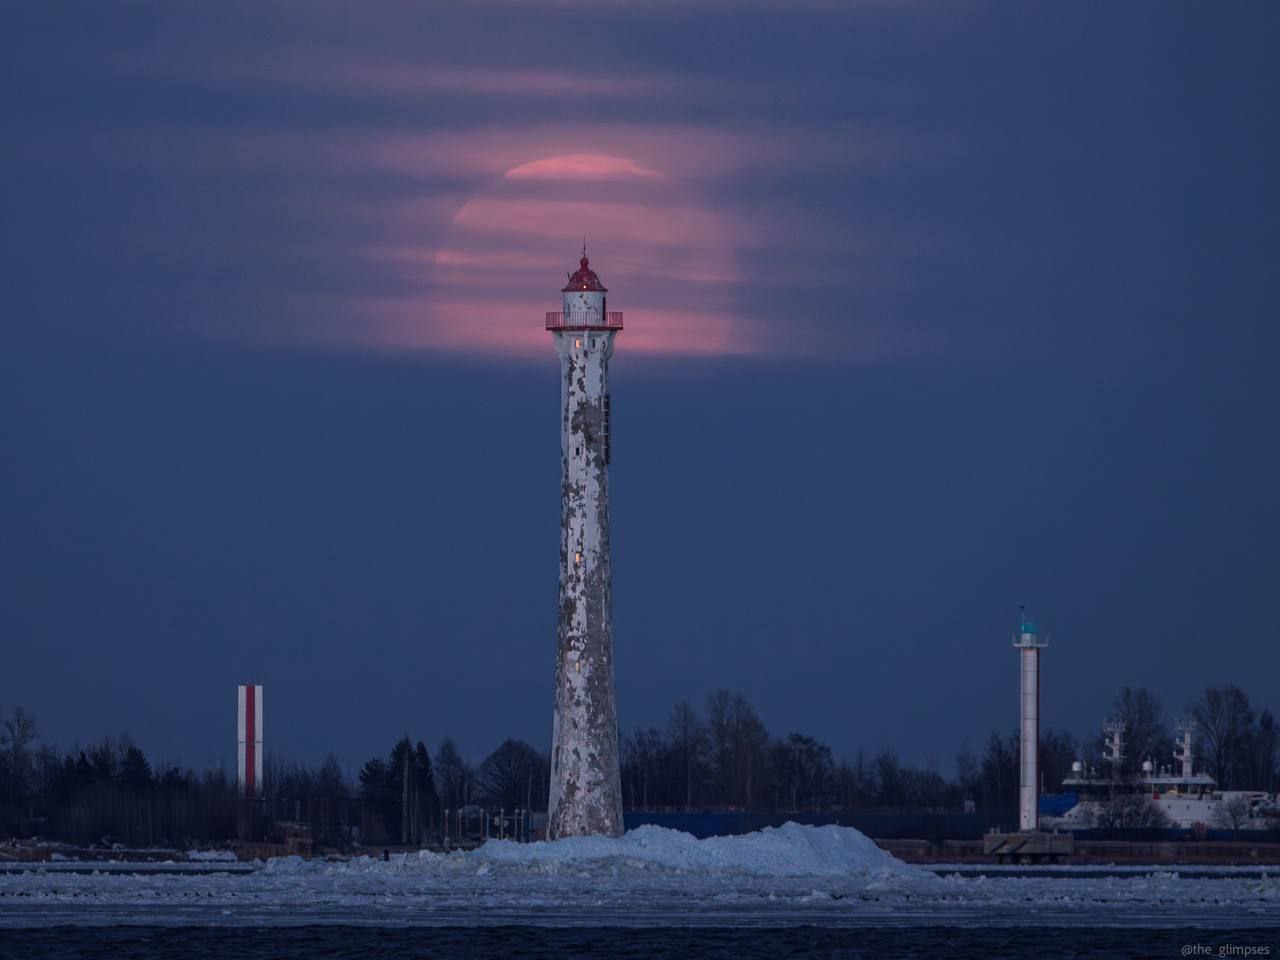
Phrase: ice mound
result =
(214, 856)
(791, 850)
(296, 864)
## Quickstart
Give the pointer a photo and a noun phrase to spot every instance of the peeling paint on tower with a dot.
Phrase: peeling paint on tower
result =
(586, 785)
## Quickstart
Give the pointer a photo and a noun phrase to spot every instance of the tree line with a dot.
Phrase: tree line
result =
(725, 757)
(720, 757)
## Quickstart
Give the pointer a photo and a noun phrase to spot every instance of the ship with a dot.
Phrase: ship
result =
(1189, 800)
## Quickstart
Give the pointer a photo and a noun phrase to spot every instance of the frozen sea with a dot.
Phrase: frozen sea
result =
(792, 891)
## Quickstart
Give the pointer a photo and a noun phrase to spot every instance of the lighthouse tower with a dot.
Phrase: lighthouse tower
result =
(586, 785)
(1029, 844)
(1029, 645)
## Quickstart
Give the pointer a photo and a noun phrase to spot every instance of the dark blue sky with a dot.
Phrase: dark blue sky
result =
(931, 310)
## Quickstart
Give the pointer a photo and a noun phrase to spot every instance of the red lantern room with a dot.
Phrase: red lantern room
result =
(583, 302)
(584, 279)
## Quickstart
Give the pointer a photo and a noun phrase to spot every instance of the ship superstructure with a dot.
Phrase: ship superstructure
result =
(1188, 799)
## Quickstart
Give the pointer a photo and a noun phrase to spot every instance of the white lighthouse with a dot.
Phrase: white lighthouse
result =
(1029, 844)
(1029, 645)
(586, 786)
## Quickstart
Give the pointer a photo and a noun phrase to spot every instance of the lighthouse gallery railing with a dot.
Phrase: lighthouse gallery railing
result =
(585, 321)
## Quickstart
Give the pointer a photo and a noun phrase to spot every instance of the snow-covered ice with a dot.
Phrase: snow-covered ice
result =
(215, 856)
(652, 876)
(787, 851)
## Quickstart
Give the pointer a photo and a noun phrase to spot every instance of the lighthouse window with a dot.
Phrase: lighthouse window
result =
(577, 344)
(577, 556)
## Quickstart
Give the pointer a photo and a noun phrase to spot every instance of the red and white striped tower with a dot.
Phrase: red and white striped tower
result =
(249, 739)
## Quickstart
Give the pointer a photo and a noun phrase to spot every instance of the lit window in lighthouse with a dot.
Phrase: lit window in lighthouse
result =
(577, 344)
(577, 556)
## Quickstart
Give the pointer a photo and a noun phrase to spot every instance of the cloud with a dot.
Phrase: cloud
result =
(357, 75)
(514, 329)
(338, 164)
(583, 166)
(670, 224)
(499, 264)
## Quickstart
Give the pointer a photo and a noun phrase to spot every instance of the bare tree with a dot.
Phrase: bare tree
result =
(646, 768)
(505, 775)
(689, 741)
(406, 790)
(1145, 734)
(752, 739)
(891, 791)
(332, 790)
(804, 771)
(1264, 752)
(1223, 719)
(968, 773)
(1058, 750)
(720, 737)
(855, 783)
(48, 767)
(998, 784)
(1232, 813)
(1129, 811)
(18, 733)
(738, 742)
(453, 775)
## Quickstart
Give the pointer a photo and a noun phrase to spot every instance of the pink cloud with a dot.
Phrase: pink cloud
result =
(515, 330)
(667, 251)
(635, 153)
(658, 331)
(564, 220)
(339, 71)
(676, 150)
(835, 6)
(583, 166)
(373, 76)
(504, 261)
